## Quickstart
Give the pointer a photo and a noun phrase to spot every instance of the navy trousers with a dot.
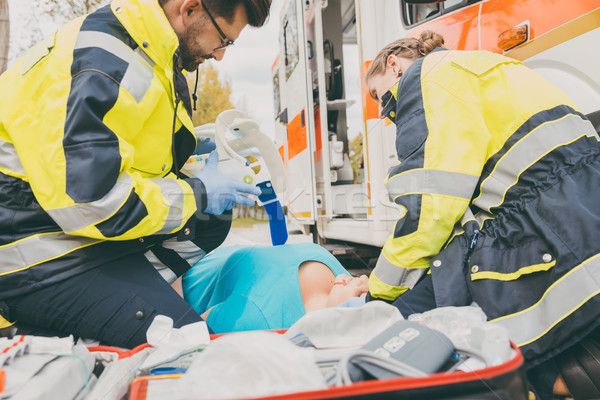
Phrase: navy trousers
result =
(114, 303)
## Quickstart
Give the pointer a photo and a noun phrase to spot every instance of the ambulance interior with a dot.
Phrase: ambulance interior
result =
(341, 60)
(345, 125)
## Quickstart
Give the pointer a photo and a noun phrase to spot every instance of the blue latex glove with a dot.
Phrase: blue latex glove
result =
(223, 193)
(204, 145)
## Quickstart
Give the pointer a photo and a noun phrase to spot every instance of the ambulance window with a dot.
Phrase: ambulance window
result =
(289, 40)
(415, 12)
(451, 3)
(276, 93)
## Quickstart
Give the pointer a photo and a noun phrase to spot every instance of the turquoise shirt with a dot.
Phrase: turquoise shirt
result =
(252, 287)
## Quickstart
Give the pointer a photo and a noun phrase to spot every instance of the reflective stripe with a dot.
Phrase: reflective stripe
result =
(36, 249)
(9, 158)
(432, 181)
(480, 218)
(526, 152)
(138, 77)
(467, 216)
(483, 216)
(380, 290)
(187, 250)
(394, 275)
(145, 56)
(560, 300)
(79, 216)
(499, 276)
(105, 42)
(173, 192)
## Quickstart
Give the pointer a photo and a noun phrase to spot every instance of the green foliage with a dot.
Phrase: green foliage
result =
(4, 34)
(35, 19)
(69, 9)
(213, 95)
(355, 148)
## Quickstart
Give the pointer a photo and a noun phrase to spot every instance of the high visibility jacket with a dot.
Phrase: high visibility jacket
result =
(499, 179)
(89, 145)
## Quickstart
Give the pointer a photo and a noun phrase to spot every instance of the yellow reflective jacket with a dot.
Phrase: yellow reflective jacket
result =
(498, 175)
(88, 135)
(455, 112)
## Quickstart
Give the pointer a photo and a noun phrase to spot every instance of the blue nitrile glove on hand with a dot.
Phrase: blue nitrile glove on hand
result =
(204, 145)
(223, 193)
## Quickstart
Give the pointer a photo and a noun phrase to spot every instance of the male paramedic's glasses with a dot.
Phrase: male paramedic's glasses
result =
(226, 42)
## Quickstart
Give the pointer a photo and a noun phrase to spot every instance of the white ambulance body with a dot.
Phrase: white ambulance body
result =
(322, 104)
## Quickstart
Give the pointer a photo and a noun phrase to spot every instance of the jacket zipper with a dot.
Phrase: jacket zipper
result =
(173, 149)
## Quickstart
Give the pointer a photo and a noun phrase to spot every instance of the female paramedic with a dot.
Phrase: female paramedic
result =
(499, 175)
(267, 287)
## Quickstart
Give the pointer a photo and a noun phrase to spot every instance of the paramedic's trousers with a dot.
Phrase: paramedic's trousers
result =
(114, 303)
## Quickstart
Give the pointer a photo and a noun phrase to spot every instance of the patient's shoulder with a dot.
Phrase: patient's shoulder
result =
(316, 281)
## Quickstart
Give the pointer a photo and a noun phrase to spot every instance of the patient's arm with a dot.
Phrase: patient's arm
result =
(320, 288)
(204, 315)
(316, 281)
(346, 287)
(177, 286)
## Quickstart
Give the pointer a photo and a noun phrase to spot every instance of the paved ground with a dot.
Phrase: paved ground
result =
(259, 234)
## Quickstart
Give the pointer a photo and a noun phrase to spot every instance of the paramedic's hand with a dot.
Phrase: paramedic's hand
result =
(223, 193)
(204, 145)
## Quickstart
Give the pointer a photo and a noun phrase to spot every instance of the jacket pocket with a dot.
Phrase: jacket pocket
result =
(510, 276)
(510, 264)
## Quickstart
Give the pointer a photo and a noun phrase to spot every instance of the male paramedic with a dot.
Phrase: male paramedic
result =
(94, 127)
(499, 177)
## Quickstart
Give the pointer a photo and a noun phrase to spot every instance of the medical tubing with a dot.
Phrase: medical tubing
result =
(394, 366)
(222, 142)
(470, 351)
(86, 378)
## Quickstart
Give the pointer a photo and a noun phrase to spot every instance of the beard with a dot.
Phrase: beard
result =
(192, 52)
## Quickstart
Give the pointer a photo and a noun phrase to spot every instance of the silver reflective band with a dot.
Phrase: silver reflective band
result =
(9, 158)
(526, 152)
(139, 74)
(79, 216)
(105, 42)
(560, 300)
(137, 79)
(37, 249)
(394, 275)
(173, 192)
(480, 218)
(432, 181)
(467, 216)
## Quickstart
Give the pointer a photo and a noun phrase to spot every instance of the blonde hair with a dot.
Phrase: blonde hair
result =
(409, 48)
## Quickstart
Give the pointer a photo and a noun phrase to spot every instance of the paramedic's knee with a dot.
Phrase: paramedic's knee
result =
(211, 230)
(174, 256)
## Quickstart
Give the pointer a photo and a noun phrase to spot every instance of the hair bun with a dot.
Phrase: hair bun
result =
(429, 40)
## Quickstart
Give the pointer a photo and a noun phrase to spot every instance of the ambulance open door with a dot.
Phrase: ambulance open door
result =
(297, 114)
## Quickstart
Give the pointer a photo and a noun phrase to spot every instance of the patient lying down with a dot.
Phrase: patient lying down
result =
(264, 287)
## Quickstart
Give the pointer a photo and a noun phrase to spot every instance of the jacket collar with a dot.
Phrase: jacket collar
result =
(389, 101)
(390, 98)
(149, 27)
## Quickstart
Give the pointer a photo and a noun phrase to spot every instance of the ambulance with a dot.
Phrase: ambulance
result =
(336, 149)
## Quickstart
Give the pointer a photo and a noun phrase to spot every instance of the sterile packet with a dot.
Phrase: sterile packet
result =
(249, 364)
